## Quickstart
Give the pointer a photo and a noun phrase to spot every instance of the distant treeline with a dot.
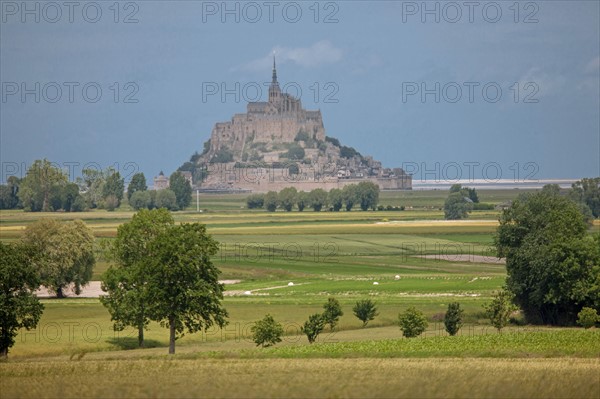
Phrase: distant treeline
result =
(364, 194)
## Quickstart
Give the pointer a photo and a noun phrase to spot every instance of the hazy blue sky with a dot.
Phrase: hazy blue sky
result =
(364, 64)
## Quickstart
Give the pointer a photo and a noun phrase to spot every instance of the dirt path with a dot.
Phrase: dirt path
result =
(257, 290)
(93, 290)
(464, 258)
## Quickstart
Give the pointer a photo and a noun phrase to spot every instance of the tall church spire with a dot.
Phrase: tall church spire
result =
(274, 70)
(274, 90)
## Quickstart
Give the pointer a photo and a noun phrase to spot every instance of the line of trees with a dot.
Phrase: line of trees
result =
(585, 192)
(364, 194)
(412, 322)
(46, 188)
(178, 196)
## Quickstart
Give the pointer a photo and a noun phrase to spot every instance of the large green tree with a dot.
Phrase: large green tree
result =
(456, 207)
(287, 198)
(317, 199)
(553, 265)
(92, 184)
(140, 200)
(64, 197)
(182, 189)
(66, 253)
(137, 183)
(336, 199)
(183, 282)
(271, 201)
(19, 307)
(302, 200)
(114, 186)
(69, 197)
(126, 281)
(367, 195)
(349, 194)
(165, 199)
(9, 198)
(587, 191)
(36, 188)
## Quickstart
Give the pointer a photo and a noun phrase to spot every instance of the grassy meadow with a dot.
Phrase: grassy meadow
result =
(398, 259)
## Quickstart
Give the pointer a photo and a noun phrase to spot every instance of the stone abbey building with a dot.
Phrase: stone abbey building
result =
(277, 120)
(278, 144)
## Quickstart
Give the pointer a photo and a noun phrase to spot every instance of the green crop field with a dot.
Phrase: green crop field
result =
(397, 258)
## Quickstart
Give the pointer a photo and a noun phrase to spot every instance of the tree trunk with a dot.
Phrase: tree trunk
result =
(141, 336)
(171, 335)
(59, 292)
(45, 207)
(4, 353)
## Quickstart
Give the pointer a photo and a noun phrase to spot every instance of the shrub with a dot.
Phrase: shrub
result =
(266, 332)
(412, 322)
(287, 198)
(302, 136)
(482, 206)
(456, 207)
(365, 310)
(336, 199)
(499, 310)
(348, 152)
(317, 199)
(293, 169)
(333, 312)
(294, 152)
(453, 318)
(166, 199)
(255, 201)
(140, 200)
(313, 327)
(111, 203)
(78, 205)
(333, 141)
(270, 201)
(588, 317)
(302, 200)
(224, 155)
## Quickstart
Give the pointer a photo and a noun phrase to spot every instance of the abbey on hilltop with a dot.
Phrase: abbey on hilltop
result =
(278, 144)
(278, 120)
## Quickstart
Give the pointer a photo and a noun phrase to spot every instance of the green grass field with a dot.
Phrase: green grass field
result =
(416, 259)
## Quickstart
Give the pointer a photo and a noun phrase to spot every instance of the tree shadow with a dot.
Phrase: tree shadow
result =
(127, 343)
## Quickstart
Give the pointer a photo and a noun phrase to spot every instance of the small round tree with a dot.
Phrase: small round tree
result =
(270, 201)
(412, 322)
(266, 332)
(365, 310)
(313, 327)
(588, 317)
(499, 310)
(453, 318)
(333, 312)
